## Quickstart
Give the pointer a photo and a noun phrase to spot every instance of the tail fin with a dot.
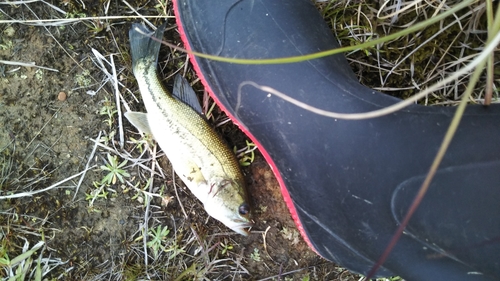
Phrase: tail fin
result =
(144, 43)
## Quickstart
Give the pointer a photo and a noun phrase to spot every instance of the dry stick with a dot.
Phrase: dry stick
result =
(145, 236)
(118, 107)
(31, 1)
(31, 193)
(157, 164)
(145, 192)
(265, 243)
(491, 61)
(87, 166)
(27, 64)
(60, 22)
(122, 155)
(113, 77)
(489, 81)
(138, 14)
(176, 194)
(437, 160)
(146, 212)
(18, 2)
(101, 66)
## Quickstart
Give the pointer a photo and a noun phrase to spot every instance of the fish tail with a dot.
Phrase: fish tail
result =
(144, 43)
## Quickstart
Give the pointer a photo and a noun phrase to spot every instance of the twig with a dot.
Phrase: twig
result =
(112, 76)
(27, 64)
(177, 195)
(146, 212)
(86, 167)
(118, 107)
(31, 193)
(60, 22)
(138, 14)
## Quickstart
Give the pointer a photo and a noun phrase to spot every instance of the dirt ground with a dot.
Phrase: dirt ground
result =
(51, 121)
(60, 127)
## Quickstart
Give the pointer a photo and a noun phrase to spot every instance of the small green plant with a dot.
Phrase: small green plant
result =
(9, 31)
(108, 108)
(4, 255)
(246, 155)
(84, 79)
(208, 111)
(174, 250)
(75, 15)
(292, 235)
(161, 7)
(106, 138)
(19, 267)
(143, 142)
(39, 74)
(6, 44)
(226, 248)
(262, 209)
(114, 170)
(158, 235)
(95, 26)
(255, 256)
(140, 194)
(98, 192)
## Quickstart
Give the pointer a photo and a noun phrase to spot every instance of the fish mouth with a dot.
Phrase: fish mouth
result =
(242, 228)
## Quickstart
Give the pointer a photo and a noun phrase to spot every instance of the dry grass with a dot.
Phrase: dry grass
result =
(410, 63)
(179, 245)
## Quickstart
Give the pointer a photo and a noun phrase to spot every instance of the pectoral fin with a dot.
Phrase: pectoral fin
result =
(139, 120)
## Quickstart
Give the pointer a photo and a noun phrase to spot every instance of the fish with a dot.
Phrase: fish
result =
(197, 153)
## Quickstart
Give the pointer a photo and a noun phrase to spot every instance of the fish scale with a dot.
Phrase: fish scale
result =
(197, 153)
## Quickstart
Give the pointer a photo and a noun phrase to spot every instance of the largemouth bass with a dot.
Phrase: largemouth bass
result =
(198, 155)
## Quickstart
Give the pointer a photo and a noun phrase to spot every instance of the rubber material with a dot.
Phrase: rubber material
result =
(348, 183)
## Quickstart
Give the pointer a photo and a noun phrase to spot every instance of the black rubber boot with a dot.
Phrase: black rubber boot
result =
(349, 183)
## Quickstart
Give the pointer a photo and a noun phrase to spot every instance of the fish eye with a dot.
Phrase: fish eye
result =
(244, 209)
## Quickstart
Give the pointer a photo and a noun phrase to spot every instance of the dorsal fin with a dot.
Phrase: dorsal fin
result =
(183, 92)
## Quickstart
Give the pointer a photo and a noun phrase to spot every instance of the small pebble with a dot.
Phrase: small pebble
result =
(61, 96)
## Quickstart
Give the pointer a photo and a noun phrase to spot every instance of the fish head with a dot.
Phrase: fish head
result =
(229, 206)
